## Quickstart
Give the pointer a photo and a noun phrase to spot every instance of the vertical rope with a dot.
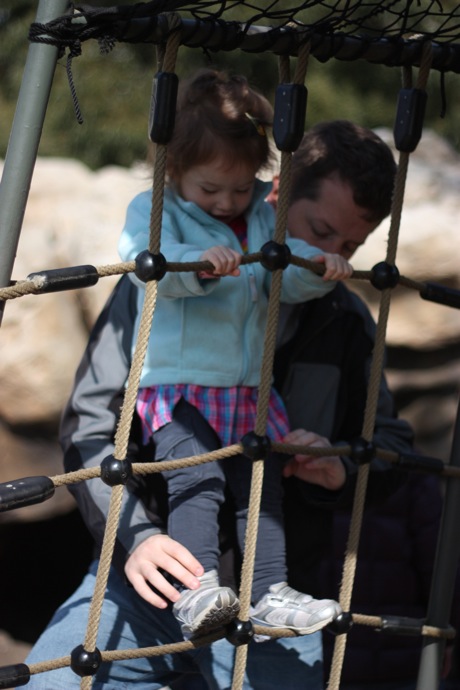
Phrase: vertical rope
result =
(377, 363)
(263, 401)
(129, 403)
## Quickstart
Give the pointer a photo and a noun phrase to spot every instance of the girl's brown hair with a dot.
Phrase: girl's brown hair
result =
(218, 116)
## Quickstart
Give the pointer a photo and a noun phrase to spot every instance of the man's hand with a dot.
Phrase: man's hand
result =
(326, 471)
(160, 551)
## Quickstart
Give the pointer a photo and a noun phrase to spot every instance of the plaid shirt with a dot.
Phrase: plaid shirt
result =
(231, 412)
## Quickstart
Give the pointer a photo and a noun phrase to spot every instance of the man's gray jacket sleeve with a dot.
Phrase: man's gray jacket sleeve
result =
(90, 419)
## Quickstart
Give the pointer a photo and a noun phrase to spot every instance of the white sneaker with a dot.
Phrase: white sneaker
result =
(284, 607)
(209, 606)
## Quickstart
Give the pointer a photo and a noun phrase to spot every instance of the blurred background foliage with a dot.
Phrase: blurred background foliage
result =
(113, 91)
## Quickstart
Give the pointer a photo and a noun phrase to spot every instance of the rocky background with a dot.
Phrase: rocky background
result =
(74, 216)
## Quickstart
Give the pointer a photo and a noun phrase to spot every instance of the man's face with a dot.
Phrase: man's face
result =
(333, 222)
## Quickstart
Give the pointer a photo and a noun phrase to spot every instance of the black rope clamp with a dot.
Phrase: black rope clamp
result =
(362, 451)
(289, 116)
(71, 278)
(384, 275)
(341, 624)
(410, 115)
(25, 492)
(255, 447)
(115, 472)
(275, 256)
(14, 675)
(150, 266)
(85, 663)
(163, 107)
(239, 632)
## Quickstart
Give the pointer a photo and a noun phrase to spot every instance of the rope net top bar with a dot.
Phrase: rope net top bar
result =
(391, 35)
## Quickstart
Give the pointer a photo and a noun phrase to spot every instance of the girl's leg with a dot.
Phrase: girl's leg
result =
(195, 493)
(275, 603)
(270, 565)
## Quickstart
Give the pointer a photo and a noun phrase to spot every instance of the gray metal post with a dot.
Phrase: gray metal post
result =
(25, 138)
(443, 581)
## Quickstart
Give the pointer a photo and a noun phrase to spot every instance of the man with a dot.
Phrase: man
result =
(342, 184)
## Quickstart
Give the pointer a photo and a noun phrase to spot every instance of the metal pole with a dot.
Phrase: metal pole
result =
(444, 575)
(24, 139)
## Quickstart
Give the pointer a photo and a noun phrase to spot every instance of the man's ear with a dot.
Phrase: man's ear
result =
(272, 197)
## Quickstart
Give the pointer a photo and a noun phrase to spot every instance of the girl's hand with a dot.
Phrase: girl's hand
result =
(337, 268)
(160, 551)
(325, 471)
(225, 261)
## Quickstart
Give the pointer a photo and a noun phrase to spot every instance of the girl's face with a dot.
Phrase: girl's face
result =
(221, 191)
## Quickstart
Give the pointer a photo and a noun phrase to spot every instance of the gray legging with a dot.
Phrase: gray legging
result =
(196, 494)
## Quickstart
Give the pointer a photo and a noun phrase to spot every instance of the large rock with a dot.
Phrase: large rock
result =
(428, 247)
(74, 216)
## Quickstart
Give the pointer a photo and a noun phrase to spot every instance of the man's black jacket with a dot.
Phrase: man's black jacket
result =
(321, 369)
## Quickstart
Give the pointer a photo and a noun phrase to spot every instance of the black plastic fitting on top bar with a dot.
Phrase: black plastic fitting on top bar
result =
(410, 115)
(289, 117)
(163, 107)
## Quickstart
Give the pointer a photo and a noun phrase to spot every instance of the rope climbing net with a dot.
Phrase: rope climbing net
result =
(422, 36)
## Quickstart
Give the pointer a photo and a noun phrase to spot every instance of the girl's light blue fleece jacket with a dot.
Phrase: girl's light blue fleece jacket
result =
(210, 332)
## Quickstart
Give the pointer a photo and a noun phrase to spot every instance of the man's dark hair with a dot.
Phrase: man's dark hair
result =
(356, 154)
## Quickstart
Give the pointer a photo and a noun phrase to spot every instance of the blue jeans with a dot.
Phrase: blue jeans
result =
(128, 622)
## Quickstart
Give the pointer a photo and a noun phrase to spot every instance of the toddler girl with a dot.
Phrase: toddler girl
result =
(204, 355)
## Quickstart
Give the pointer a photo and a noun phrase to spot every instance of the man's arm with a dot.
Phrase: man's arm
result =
(322, 370)
(90, 419)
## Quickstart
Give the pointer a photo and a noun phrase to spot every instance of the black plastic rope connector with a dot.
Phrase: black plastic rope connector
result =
(150, 266)
(239, 632)
(255, 447)
(115, 472)
(433, 292)
(71, 278)
(275, 256)
(410, 114)
(25, 492)
(420, 463)
(85, 663)
(362, 451)
(341, 624)
(289, 116)
(14, 675)
(163, 107)
(401, 625)
(384, 275)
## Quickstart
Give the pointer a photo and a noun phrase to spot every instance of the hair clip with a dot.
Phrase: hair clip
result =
(260, 129)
